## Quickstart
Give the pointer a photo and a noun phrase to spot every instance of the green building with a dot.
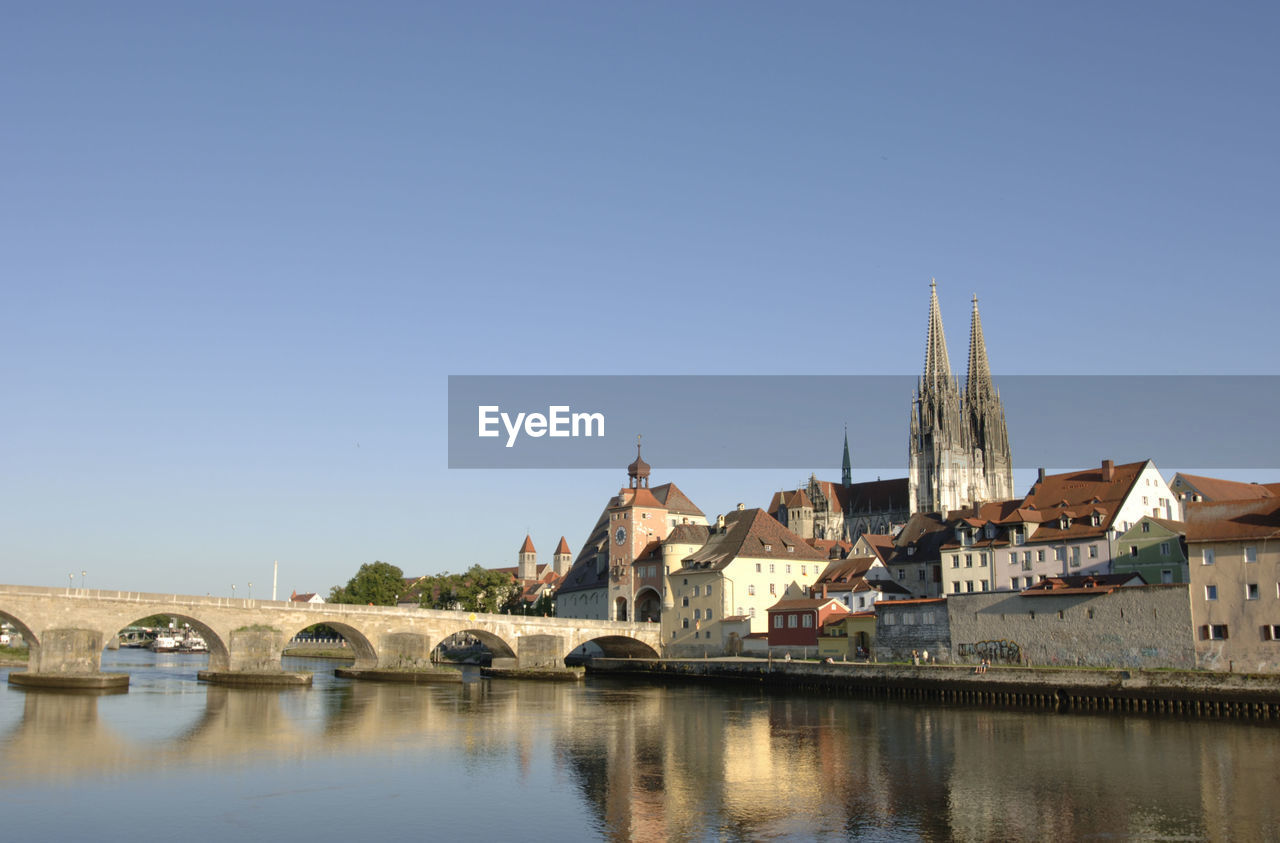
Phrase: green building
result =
(1156, 548)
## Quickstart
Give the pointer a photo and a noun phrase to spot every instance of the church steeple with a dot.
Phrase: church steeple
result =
(978, 387)
(638, 471)
(937, 365)
(846, 470)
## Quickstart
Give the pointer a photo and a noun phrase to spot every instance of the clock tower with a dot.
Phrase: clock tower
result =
(637, 520)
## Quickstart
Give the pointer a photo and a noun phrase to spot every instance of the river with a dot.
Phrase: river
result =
(176, 759)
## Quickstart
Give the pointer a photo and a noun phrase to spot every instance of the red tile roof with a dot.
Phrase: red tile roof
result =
(1217, 489)
(751, 533)
(675, 500)
(1226, 521)
(563, 547)
(527, 547)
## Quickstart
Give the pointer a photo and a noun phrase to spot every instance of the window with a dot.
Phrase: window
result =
(708, 614)
(708, 589)
(1251, 591)
(1093, 551)
(1060, 554)
(1208, 557)
(955, 587)
(771, 567)
(807, 621)
(788, 569)
(1271, 632)
(1166, 576)
(902, 574)
(1026, 564)
(1018, 537)
(803, 571)
(684, 602)
(1164, 548)
(757, 567)
(862, 602)
(955, 560)
(752, 613)
(751, 591)
(1013, 558)
(740, 612)
(968, 585)
(1133, 550)
(1039, 555)
(1075, 557)
(921, 574)
(697, 614)
(791, 621)
(684, 623)
(777, 621)
(1251, 554)
(1213, 632)
(1210, 592)
(982, 583)
(1146, 525)
(768, 547)
(968, 560)
(773, 589)
(982, 560)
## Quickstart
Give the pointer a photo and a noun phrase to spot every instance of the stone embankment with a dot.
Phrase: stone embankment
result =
(1197, 693)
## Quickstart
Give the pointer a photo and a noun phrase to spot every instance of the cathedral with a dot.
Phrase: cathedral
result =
(959, 446)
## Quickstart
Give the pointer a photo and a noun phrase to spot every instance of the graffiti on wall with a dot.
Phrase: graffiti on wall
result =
(1004, 651)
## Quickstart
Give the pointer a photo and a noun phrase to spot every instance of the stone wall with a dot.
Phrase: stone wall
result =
(1133, 627)
(904, 626)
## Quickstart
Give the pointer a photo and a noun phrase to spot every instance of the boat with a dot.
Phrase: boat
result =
(164, 643)
(192, 643)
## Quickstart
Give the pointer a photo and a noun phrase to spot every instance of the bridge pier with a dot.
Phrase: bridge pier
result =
(254, 660)
(68, 660)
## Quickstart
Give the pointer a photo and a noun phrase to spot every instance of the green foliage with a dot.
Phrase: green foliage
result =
(376, 583)
(544, 607)
(161, 621)
(478, 590)
(13, 653)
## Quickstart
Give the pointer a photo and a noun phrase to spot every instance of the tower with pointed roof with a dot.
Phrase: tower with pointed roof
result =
(563, 558)
(958, 451)
(846, 469)
(528, 559)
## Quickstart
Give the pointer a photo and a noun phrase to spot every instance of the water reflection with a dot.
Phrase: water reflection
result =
(637, 762)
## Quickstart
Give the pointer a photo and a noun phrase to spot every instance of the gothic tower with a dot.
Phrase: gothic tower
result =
(958, 453)
(993, 464)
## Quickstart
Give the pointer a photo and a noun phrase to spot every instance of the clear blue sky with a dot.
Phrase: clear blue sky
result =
(244, 244)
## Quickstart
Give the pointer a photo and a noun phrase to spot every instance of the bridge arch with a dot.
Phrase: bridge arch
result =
(618, 647)
(496, 644)
(28, 635)
(362, 649)
(219, 654)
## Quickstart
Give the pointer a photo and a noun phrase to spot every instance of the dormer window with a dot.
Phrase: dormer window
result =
(911, 551)
(1065, 522)
(1096, 520)
(990, 530)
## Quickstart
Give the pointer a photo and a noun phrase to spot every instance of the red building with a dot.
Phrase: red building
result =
(796, 622)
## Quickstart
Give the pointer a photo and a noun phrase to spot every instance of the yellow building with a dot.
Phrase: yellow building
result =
(747, 564)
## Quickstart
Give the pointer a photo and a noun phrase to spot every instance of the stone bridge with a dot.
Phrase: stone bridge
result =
(67, 629)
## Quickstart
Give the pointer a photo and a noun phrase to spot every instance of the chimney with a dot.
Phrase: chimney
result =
(720, 523)
(741, 507)
(824, 591)
(1108, 470)
(1041, 480)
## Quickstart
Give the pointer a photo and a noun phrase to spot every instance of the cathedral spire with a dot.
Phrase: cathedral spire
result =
(937, 366)
(846, 470)
(978, 381)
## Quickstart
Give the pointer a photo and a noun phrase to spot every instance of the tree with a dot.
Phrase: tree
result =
(379, 583)
(478, 590)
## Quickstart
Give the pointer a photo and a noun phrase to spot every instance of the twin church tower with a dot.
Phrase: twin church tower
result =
(959, 445)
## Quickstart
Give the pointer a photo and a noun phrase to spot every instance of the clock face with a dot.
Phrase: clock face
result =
(621, 535)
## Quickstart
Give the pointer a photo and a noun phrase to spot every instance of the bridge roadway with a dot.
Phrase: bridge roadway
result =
(67, 629)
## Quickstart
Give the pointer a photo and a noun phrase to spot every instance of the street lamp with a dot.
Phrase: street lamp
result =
(233, 591)
(83, 574)
(250, 591)
(71, 582)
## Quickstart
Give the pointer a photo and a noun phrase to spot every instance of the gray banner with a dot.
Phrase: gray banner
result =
(707, 421)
